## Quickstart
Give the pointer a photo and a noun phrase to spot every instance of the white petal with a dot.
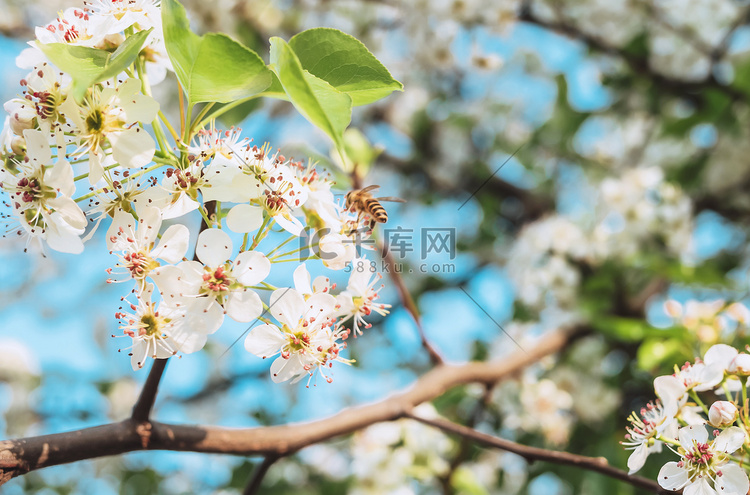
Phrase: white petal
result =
(710, 377)
(264, 340)
(69, 211)
(149, 223)
(699, 487)
(122, 219)
(173, 244)
(302, 279)
(321, 284)
(671, 391)
(284, 369)
(183, 205)
(690, 435)
(244, 218)
(132, 148)
(96, 170)
(673, 477)
(139, 355)
(287, 306)
(214, 247)
(244, 305)
(730, 440)
(320, 306)
(169, 280)
(251, 267)
(733, 480)
(638, 458)
(60, 177)
(37, 147)
(139, 108)
(290, 224)
(721, 354)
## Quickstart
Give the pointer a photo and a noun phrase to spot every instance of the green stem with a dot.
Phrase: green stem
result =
(196, 125)
(223, 110)
(698, 401)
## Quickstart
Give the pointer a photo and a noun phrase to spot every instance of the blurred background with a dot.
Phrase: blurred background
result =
(590, 158)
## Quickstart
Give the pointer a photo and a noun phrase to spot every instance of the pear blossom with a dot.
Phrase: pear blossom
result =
(358, 300)
(643, 433)
(118, 15)
(107, 116)
(704, 467)
(134, 241)
(164, 330)
(224, 283)
(41, 195)
(306, 340)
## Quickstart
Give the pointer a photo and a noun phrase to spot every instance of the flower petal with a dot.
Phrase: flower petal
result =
(690, 435)
(173, 244)
(287, 306)
(638, 458)
(251, 267)
(243, 305)
(132, 148)
(699, 487)
(264, 340)
(214, 247)
(730, 440)
(244, 218)
(284, 369)
(302, 279)
(673, 477)
(733, 480)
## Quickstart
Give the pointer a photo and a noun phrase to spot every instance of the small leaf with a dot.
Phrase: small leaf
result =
(213, 67)
(345, 63)
(317, 101)
(88, 66)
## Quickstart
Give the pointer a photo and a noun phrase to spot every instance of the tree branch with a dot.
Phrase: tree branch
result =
(145, 402)
(20, 456)
(596, 464)
(260, 472)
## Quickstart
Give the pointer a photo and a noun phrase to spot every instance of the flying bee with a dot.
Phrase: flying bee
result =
(361, 200)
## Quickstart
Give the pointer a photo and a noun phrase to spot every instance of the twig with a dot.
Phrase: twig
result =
(20, 456)
(596, 464)
(260, 472)
(145, 402)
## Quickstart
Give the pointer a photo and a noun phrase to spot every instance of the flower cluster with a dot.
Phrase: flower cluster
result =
(681, 420)
(252, 201)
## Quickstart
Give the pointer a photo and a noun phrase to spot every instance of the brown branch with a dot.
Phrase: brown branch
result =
(145, 402)
(639, 65)
(260, 472)
(20, 456)
(595, 464)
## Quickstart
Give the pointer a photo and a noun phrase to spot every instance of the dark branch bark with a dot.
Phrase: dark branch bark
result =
(260, 472)
(142, 408)
(20, 456)
(596, 464)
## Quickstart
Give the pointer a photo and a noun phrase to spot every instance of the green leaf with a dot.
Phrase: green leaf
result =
(212, 67)
(345, 63)
(88, 66)
(317, 101)
(661, 354)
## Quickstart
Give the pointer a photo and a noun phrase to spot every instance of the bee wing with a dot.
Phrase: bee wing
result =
(392, 199)
(369, 188)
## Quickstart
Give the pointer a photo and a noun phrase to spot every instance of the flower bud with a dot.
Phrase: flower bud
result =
(722, 413)
(18, 145)
(741, 364)
(21, 116)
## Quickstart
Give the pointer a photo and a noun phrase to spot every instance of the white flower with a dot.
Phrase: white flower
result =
(305, 340)
(41, 195)
(119, 15)
(164, 331)
(107, 115)
(704, 468)
(224, 283)
(358, 300)
(643, 432)
(134, 240)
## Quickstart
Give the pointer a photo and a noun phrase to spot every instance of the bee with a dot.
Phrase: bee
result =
(361, 200)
